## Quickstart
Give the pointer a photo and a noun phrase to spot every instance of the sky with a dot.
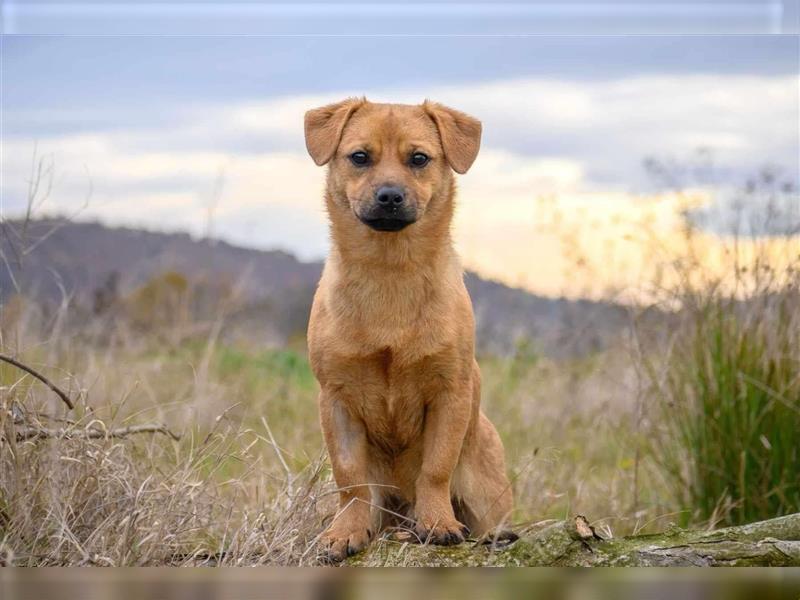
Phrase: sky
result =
(164, 131)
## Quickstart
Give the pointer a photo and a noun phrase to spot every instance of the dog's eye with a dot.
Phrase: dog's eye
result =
(418, 159)
(359, 158)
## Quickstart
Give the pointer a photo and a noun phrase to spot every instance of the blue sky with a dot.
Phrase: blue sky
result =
(150, 123)
(85, 74)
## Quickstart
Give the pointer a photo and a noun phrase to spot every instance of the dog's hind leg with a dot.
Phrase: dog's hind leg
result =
(482, 494)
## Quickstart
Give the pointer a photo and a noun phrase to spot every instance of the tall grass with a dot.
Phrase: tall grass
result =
(727, 391)
(247, 483)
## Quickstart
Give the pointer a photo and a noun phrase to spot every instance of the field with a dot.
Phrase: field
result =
(247, 482)
(191, 446)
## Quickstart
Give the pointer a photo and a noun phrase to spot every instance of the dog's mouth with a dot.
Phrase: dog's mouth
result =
(387, 218)
(386, 223)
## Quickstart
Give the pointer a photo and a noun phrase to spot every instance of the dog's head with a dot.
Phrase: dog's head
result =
(389, 163)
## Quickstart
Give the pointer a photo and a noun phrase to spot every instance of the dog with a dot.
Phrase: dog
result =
(391, 335)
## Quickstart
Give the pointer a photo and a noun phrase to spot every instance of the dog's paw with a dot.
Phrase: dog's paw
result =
(338, 543)
(441, 532)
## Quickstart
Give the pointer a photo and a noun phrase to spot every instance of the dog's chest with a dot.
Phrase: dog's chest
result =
(391, 402)
(390, 396)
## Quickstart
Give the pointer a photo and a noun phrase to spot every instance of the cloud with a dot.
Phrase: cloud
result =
(579, 142)
(610, 124)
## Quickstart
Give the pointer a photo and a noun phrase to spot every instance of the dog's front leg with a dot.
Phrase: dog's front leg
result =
(346, 440)
(446, 421)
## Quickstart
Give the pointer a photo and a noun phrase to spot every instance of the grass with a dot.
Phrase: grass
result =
(729, 399)
(248, 483)
(692, 419)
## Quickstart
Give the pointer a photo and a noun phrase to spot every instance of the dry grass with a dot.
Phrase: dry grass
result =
(247, 482)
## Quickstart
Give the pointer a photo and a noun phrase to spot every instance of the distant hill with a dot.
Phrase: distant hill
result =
(78, 258)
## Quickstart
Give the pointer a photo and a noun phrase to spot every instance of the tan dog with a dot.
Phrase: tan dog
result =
(391, 337)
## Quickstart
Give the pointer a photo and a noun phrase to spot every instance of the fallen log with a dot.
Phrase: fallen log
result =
(572, 543)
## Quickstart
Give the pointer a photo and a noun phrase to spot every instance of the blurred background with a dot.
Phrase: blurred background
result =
(629, 231)
(204, 134)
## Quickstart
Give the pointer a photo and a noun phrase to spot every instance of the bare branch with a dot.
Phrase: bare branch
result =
(60, 393)
(41, 432)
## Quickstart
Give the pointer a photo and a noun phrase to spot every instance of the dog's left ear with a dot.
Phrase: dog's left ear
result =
(324, 126)
(460, 134)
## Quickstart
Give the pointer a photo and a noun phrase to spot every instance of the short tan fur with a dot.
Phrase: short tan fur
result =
(391, 336)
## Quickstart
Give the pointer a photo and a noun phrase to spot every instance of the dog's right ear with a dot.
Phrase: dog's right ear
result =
(324, 126)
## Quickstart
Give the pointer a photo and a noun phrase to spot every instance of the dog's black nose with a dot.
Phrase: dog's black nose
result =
(390, 195)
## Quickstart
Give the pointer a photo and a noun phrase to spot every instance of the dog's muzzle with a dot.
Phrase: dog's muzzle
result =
(389, 210)
(389, 222)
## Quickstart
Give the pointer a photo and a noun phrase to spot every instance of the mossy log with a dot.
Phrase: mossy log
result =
(573, 543)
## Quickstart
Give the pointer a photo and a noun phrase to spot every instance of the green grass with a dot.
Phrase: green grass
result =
(730, 402)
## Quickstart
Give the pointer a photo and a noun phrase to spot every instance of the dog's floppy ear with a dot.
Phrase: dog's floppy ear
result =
(324, 126)
(460, 133)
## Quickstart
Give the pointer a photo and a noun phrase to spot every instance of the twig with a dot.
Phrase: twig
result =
(41, 432)
(40, 377)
